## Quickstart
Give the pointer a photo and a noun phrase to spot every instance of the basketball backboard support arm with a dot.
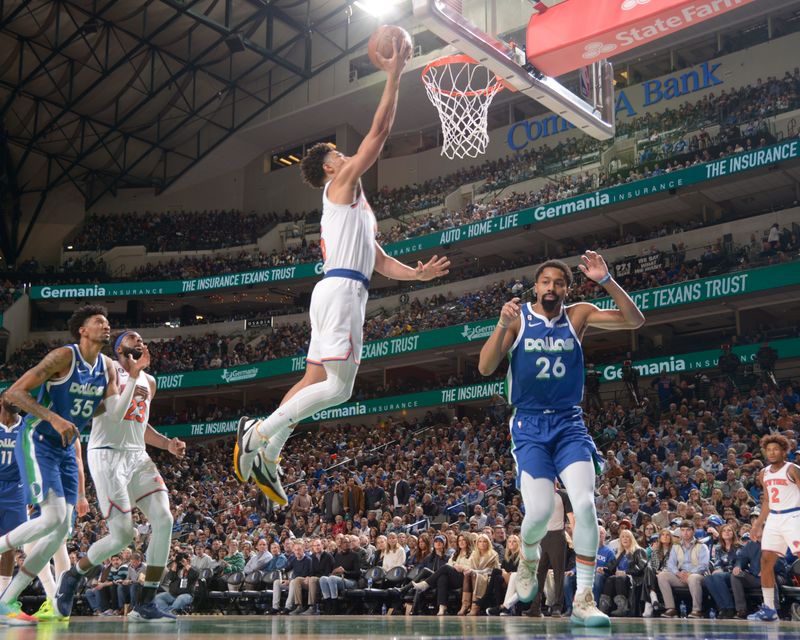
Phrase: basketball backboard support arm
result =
(596, 120)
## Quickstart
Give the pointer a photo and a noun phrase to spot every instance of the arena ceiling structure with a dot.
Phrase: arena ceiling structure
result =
(106, 95)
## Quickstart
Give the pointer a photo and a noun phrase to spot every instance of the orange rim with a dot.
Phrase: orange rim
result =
(460, 58)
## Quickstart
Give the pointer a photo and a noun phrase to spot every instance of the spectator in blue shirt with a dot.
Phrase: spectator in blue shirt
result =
(687, 564)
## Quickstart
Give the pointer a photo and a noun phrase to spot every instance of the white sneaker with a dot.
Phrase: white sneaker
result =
(246, 449)
(648, 610)
(585, 611)
(527, 583)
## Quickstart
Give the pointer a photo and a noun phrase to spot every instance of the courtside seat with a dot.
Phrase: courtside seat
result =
(788, 592)
(269, 580)
(253, 587)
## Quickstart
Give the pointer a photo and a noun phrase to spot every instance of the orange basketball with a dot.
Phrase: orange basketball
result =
(381, 42)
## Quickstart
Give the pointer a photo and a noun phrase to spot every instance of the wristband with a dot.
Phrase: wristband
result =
(501, 325)
(604, 279)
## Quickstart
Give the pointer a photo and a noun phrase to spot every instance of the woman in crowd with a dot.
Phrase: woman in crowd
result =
(502, 588)
(451, 576)
(649, 531)
(422, 551)
(658, 554)
(476, 579)
(394, 555)
(723, 559)
(625, 575)
(380, 550)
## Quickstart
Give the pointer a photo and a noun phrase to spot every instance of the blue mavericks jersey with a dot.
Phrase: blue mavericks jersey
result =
(9, 471)
(546, 364)
(74, 397)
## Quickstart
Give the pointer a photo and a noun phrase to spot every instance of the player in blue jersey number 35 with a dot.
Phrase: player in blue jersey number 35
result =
(548, 435)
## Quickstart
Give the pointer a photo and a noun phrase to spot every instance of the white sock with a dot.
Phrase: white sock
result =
(48, 583)
(276, 443)
(17, 586)
(4, 582)
(61, 561)
(45, 575)
(531, 552)
(584, 572)
(653, 597)
(769, 596)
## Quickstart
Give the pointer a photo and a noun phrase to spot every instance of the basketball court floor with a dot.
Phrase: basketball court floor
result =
(395, 628)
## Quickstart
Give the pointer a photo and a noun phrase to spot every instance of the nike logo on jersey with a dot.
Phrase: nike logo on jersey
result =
(535, 324)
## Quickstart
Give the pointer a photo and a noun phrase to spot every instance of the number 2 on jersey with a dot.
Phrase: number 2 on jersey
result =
(775, 497)
(558, 369)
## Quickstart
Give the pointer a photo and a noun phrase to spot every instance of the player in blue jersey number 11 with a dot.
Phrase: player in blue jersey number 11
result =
(549, 438)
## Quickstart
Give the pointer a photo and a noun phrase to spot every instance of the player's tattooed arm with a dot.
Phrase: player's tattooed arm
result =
(55, 364)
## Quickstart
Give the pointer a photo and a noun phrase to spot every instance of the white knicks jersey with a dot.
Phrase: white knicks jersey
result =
(128, 434)
(347, 235)
(783, 492)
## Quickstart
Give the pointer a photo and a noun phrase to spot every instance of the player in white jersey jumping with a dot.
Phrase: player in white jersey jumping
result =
(125, 476)
(338, 303)
(778, 523)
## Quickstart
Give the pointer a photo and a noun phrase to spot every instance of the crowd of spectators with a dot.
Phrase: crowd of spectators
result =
(740, 112)
(175, 230)
(9, 291)
(188, 267)
(681, 470)
(440, 310)
(678, 138)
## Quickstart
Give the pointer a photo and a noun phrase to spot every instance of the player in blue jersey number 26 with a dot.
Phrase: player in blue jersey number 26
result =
(548, 435)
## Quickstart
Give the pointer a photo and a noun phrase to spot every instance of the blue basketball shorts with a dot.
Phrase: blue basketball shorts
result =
(44, 466)
(544, 443)
(12, 506)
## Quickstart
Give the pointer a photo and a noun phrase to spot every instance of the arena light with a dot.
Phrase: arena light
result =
(377, 8)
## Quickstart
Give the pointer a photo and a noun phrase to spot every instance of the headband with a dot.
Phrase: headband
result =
(119, 340)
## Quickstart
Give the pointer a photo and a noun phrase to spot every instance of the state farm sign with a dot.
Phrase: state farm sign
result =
(578, 32)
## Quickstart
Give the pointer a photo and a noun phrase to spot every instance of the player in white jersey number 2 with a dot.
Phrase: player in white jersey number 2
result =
(778, 523)
(350, 253)
(125, 477)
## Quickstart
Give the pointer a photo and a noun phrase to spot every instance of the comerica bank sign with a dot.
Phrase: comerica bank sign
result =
(703, 77)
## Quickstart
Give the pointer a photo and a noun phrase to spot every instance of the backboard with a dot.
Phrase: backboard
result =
(446, 18)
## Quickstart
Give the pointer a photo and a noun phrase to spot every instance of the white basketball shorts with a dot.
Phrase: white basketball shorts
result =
(122, 478)
(338, 308)
(782, 530)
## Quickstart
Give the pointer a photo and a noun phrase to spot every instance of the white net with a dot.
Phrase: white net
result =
(462, 91)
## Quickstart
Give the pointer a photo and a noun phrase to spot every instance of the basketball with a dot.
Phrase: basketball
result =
(381, 42)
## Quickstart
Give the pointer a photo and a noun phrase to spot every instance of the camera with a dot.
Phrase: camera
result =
(628, 373)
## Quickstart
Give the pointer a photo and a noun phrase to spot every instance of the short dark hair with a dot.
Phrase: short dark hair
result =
(775, 438)
(555, 264)
(311, 167)
(79, 318)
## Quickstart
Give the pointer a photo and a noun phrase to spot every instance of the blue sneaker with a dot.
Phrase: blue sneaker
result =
(68, 584)
(764, 614)
(150, 613)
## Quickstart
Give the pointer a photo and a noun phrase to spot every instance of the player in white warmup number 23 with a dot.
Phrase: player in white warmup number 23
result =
(350, 253)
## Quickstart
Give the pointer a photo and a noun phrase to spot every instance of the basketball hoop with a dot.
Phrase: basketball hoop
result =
(461, 89)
